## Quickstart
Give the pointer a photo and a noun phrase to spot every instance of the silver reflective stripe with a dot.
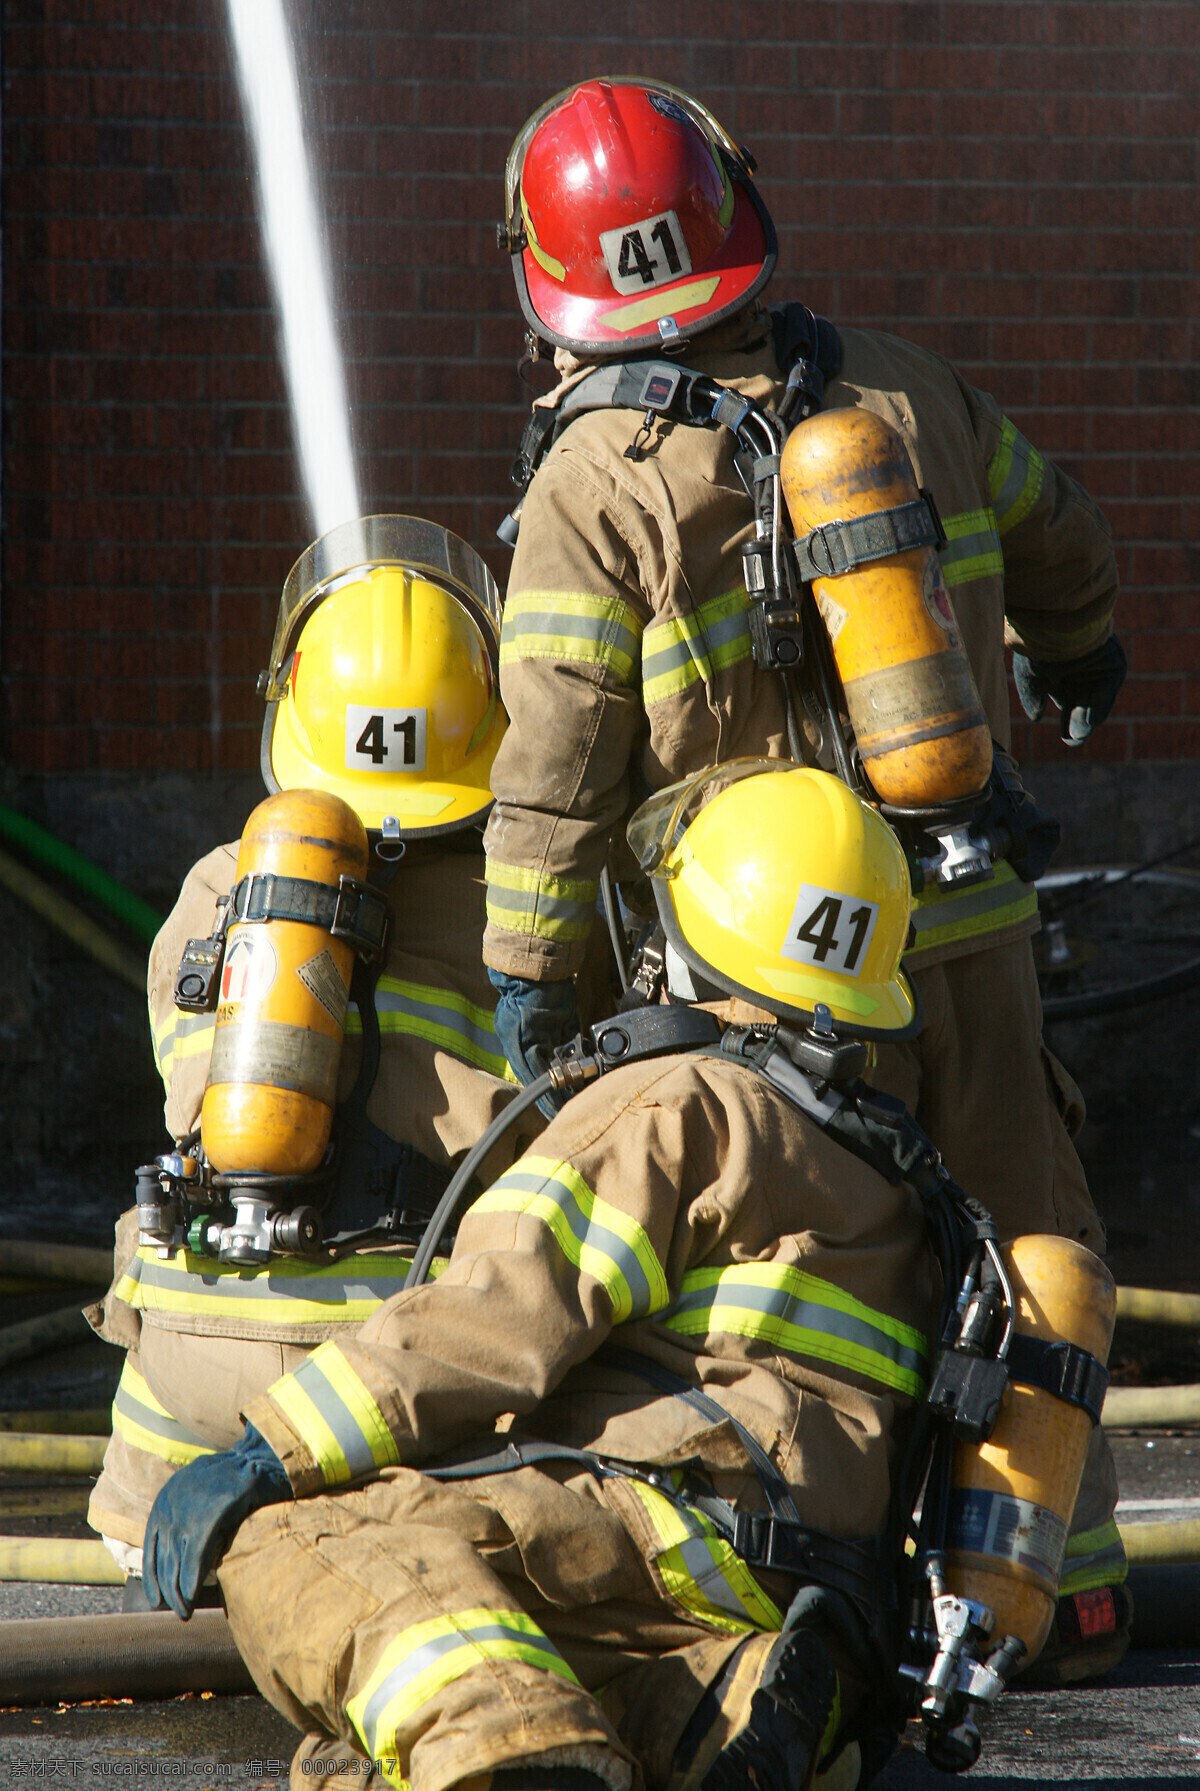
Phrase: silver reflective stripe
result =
(348, 1434)
(808, 1315)
(587, 1231)
(207, 1279)
(427, 1654)
(161, 1425)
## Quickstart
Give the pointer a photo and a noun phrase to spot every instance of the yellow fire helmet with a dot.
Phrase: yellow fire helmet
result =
(382, 686)
(782, 886)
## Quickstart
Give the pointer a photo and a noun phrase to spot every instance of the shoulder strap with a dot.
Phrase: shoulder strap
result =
(809, 351)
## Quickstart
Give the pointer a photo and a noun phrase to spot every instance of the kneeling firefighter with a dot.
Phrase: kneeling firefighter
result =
(321, 1018)
(708, 1300)
(660, 618)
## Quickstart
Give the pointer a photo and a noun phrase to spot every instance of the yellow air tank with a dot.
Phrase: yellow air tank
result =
(272, 1080)
(912, 701)
(1012, 1497)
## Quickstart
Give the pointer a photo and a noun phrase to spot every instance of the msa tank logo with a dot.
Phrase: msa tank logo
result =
(641, 256)
(937, 599)
(385, 739)
(830, 930)
(250, 969)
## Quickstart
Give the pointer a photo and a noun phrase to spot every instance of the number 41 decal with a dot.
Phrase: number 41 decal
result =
(384, 739)
(830, 930)
(639, 256)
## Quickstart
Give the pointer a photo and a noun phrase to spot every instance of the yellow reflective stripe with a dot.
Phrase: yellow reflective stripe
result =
(1094, 1558)
(543, 905)
(570, 625)
(700, 1569)
(335, 1416)
(596, 1238)
(550, 263)
(146, 1425)
(685, 649)
(789, 1309)
(441, 1017)
(661, 304)
(972, 548)
(1015, 475)
(181, 1036)
(423, 1659)
(945, 917)
(286, 1291)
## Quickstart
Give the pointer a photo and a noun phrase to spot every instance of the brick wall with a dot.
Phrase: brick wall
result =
(1012, 184)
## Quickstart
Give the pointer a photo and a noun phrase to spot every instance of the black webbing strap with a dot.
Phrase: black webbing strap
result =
(1070, 1373)
(353, 911)
(837, 547)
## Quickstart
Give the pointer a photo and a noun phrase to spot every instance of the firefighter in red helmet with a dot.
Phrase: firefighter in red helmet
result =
(641, 249)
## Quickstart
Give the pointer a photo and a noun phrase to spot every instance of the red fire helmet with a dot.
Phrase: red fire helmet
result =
(631, 218)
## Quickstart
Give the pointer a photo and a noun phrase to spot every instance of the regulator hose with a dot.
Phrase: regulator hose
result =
(44, 1660)
(432, 1236)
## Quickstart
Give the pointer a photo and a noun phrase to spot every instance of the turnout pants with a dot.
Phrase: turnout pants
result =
(443, 1630)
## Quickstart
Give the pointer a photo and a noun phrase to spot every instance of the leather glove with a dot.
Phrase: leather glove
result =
(532, 1020)
(195, 1516)
(1085, 689)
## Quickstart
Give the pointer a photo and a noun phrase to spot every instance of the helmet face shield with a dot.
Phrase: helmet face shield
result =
(631, 218)
(384, 683)
(785, 889)
(353, 549)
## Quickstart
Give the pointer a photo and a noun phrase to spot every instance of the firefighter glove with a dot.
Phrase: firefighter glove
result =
(1085, 689)
(195, 1516)
(532, 1020)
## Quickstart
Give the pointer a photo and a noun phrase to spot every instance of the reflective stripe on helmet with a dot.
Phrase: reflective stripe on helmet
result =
(945, 917)
(544, 906)
(791, 1310)
(1094, 1558)
(335, 1417)
(700, 1569)
(426, 1657)
(596, 1238)
(972, 548)
(290, 1291)
(441, 1017)
(567, 625)
(685, 649)
(1015, 475)
(145, 1424)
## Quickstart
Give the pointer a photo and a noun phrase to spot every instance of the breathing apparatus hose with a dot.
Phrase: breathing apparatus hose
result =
(427, 1249)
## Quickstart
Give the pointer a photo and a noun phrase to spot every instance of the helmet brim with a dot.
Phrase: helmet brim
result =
(428, 810)
(698, 301)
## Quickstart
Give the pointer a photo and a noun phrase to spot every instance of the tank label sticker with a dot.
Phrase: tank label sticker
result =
(1011, 1529)
(651, 253)
(322, 978)
(250, 968)
(830, 930)
(833, 616)
(902, 705)
(275, 1055)
(387, 740)
(937, 599)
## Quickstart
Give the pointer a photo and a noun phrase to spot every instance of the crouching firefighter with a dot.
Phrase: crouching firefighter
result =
(708, 1301)
(321, 1017)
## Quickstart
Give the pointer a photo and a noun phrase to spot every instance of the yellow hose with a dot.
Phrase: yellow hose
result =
(54, 1558)
(94, 1421)
(57, 1262)
(1150, 1408)
(1149, 1306)
(1162, 1543)
(71, 920)
(42, 1454)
